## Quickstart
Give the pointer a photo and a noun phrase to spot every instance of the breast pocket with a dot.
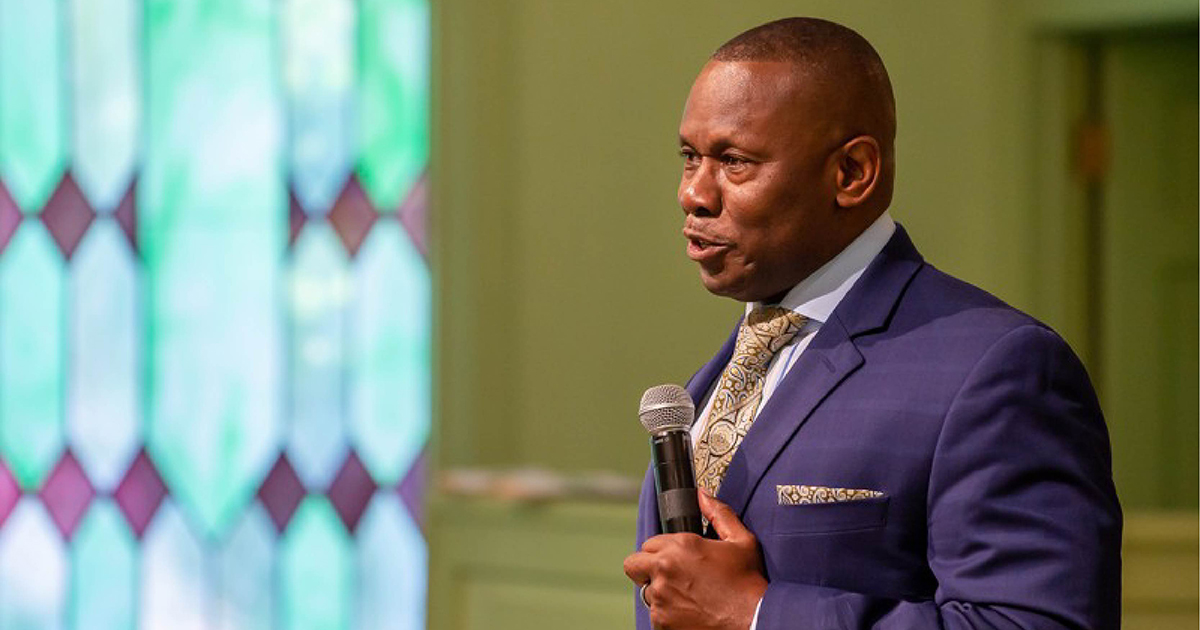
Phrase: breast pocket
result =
(820, 518)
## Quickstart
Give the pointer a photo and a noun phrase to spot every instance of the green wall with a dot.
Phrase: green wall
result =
(562, 289)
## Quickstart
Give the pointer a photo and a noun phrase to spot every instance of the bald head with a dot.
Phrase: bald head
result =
(841, 66)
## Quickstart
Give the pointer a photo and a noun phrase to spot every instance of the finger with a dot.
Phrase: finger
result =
(727, 525)
(638, 567)
(661, 541)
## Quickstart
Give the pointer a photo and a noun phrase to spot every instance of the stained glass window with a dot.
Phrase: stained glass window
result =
(214, 313)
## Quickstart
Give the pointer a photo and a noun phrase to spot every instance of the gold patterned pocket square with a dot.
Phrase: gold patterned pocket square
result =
(804, 495)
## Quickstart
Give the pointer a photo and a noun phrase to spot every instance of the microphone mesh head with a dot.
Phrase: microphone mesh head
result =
(666, 407)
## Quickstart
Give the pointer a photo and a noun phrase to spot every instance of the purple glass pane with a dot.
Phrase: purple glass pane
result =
(412, 489)
(140, 493)
(351, 490)
(67, 215)
(126, 214)
(281, 492)
(10, 216)
(10, 492)
(414, 212)
(352, 216)
(67, 494)
(296, 218)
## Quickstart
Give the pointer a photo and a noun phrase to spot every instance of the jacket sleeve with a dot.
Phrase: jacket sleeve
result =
(1024, 524)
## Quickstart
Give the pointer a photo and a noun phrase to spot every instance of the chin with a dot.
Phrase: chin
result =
(724, 288)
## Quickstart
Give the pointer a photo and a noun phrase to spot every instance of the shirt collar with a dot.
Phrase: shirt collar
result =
(816, 296)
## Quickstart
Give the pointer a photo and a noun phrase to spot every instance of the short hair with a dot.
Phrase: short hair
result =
(829, 49)
(836, 55)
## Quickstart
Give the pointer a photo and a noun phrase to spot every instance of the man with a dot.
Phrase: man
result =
(888, 447)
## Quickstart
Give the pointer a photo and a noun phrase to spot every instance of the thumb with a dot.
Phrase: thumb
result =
(728, 526)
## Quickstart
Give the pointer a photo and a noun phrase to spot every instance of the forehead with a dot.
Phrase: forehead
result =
(745, 97)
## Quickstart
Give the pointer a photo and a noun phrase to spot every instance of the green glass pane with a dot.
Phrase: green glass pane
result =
(103, 407)
(33, 570)
(319, 292)
(177, 578)
(214, 427)
(393, 97)
(212, 231)
(106, 100)
(32, 129)
(317, 569)
(389, 380)
(392, 559)
(247, 570)
(31, 354)
(319, 52)
(103, 573)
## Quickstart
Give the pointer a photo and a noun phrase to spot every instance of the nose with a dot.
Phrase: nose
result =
(699, 193)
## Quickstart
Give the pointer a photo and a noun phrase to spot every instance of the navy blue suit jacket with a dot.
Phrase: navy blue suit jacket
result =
(979, 426)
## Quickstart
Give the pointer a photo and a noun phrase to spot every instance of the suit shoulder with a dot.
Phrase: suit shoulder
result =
(934, 292)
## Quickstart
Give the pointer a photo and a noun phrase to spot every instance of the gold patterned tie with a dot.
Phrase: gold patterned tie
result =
(739, 392)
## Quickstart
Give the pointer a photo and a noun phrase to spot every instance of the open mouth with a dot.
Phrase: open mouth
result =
(700, 249)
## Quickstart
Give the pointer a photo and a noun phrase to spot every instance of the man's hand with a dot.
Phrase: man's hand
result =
(699, 584)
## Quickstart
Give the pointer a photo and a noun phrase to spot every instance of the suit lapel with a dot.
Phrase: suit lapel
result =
(829, 359)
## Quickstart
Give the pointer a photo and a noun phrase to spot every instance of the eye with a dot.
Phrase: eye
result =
(690, 157)
(733, 161)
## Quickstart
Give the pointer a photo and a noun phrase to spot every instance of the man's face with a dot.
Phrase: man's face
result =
(758, 179)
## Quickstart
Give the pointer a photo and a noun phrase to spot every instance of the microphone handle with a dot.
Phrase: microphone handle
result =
(675, 481)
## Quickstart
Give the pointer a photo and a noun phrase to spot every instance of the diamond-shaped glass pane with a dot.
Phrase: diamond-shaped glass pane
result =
(177, 579)
(317, 570)
(103, 401)
(10, 217)
(31, 354)
(106, 71)
(33, 569)
(67, 215)
(247, 574)
(392, 561)
(103, 571)
(351, 491)
(10, 492)
(281, 493)
(389, 386)
(211, 226)
(319, 80)
(394, 97)
(33, 134)
(66, 494)
(140, 493)
(318, 297)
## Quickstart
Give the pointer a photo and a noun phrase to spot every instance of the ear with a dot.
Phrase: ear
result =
(860, 165)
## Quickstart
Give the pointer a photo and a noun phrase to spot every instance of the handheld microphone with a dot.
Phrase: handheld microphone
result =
(667, 413)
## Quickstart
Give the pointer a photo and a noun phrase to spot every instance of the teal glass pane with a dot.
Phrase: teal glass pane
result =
(389, 378)
(319, 52)
(103, 398)
(215, 390)
(103, 571)
(247, 563)
(316, 569)
(212, 231)
(393, 97)
(177, 580)
(33, 137)
(31, 354)
(318, 296)
(392, 560)
(33, 570)
(106, 71)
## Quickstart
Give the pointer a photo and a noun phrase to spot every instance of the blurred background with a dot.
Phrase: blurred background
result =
(243, 386)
